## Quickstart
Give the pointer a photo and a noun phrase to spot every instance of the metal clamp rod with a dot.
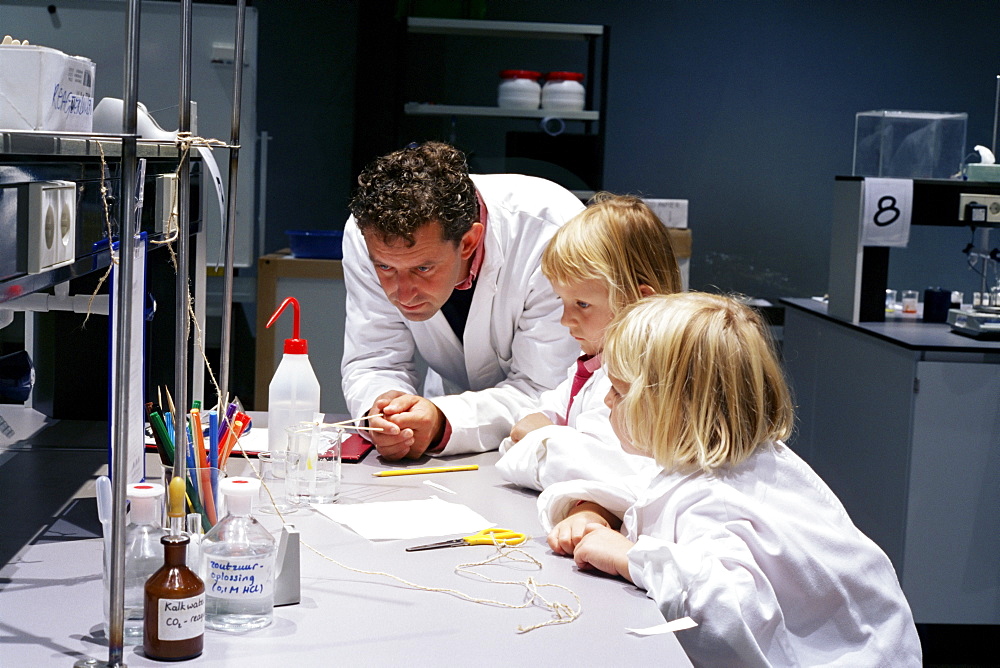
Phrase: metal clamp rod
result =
(230, 241)
(182, 292)
(123, 321)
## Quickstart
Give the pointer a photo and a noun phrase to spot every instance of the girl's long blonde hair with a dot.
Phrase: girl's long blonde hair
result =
(616, 239)
(705, 386)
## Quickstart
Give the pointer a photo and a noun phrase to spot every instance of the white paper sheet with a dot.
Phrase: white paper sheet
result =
(253, 441)
(668, 627)
(396, 520)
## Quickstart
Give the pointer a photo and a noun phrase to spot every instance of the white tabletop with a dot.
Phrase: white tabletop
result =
(51, 604)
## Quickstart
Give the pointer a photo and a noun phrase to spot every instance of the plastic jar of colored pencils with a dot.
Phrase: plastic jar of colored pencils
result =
(202, 485)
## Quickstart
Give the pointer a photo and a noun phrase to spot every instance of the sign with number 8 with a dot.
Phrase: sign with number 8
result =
(885, 219)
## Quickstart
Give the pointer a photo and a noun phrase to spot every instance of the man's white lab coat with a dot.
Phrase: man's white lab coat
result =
(515, 347)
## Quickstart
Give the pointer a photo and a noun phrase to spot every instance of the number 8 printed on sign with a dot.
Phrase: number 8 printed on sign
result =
(885, 219)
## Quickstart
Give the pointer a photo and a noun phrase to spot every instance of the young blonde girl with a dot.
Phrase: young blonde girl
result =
(608, 256)
(735, 531)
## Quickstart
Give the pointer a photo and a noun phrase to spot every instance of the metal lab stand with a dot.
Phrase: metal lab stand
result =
(127, 231)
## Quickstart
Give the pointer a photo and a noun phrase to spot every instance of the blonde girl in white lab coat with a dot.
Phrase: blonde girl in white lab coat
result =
(608, 256)
(736, 531)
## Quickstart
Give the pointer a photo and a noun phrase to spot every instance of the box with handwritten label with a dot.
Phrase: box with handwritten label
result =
(45, 89)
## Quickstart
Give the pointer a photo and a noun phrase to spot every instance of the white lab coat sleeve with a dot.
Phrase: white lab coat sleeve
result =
(555, 503)
(587, 450)
(519, 462)
(540, 351)
(552, 403)
(715, 581)
(379, 350)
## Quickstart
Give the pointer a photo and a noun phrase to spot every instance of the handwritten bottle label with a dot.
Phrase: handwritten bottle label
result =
(180, 618)
(240, 577)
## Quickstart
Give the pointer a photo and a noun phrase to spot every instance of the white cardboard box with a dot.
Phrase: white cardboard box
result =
(673, 212)
(45, 89)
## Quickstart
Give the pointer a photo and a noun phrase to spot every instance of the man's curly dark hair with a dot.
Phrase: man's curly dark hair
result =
(406, 189)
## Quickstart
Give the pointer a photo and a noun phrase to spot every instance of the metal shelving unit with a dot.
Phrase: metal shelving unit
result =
(596, 37)
(473, 28)
(416, 108)
(40, 156)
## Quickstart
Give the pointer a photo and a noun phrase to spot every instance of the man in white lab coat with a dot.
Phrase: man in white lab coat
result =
(444, 266)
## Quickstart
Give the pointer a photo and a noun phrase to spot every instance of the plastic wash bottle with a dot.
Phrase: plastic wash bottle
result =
(293, 395)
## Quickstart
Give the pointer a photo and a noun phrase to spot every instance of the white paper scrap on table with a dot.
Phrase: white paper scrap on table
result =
(667, 627)
(397, 520)
(254, 440)
(431, 483)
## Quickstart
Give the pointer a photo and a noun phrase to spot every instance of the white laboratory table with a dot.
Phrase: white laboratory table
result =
(51, 596)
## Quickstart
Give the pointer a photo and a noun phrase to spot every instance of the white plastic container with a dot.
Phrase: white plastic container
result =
(293, 395)
(519, 89)
(239, 563)
(45, 89)
(564, 91)
(143, 552)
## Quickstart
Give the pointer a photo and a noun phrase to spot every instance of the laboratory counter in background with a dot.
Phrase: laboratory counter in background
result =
(902, 419)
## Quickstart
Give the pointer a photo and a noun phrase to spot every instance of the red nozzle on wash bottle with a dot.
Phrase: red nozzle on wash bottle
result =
(294, 345)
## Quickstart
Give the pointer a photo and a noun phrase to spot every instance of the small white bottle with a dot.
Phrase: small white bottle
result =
(143, 552)
(238, 563)
(293, 395)
(564, 91)
(519, 89)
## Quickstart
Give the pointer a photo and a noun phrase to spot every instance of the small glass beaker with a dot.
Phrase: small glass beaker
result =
(315, 478)
(274, 497)
(890, 301)
(957, 297)
(910, 301)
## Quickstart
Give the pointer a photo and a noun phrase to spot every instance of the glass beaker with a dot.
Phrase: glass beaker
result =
(910, 301)
(315, 478)
(274, 497)
(890, 301)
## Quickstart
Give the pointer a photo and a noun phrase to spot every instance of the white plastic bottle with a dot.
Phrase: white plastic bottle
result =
(564, 91)
(238, 563)
(519, 89)
(143, 552)
(293, 395)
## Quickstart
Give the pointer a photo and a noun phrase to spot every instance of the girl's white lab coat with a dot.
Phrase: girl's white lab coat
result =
(516, 347)
(584, 447)
(764, 558)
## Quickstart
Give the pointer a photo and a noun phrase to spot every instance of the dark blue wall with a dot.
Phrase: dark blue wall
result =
(747, 110)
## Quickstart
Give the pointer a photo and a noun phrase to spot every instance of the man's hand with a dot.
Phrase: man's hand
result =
(605, 549)
(528, 424)
(410, 424)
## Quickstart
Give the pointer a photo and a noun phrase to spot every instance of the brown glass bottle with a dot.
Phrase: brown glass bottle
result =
(174, 610)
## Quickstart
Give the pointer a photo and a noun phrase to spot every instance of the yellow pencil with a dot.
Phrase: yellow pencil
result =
(438, 469)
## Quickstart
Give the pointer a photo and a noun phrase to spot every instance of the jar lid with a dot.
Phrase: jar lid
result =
(564, 76)
(520, 74)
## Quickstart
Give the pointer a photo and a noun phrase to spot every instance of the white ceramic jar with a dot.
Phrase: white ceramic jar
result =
(563, 91)
(519, 89)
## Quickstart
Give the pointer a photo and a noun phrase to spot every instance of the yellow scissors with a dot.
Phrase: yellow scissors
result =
(493, 536)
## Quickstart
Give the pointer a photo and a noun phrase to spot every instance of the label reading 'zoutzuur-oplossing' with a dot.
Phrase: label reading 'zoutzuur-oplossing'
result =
(239, 577)
(181, 618)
